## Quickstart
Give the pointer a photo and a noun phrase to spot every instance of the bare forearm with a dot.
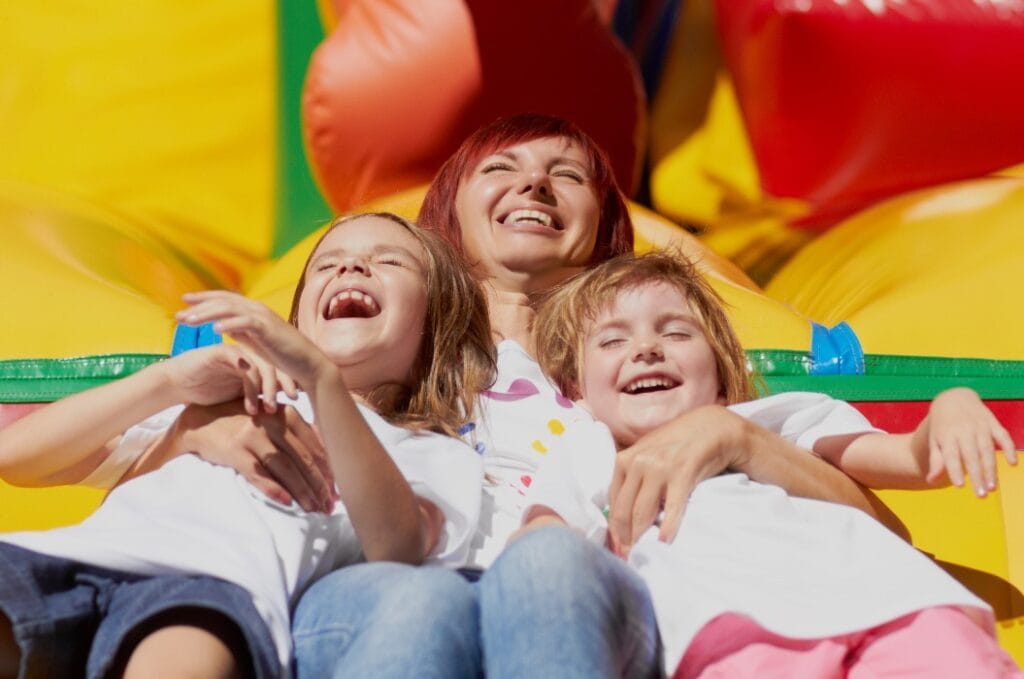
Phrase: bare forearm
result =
(384, 511)
(888, 461)
(64, 441)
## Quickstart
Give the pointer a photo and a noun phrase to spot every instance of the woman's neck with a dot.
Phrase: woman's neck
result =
(511, 315)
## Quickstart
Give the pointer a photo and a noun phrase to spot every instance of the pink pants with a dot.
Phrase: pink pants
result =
(933, 643)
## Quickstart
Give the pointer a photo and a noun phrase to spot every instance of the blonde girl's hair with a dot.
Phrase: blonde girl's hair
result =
(565, 314)
(456, 360)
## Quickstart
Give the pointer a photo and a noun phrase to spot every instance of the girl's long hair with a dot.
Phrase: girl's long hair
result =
(456, 360)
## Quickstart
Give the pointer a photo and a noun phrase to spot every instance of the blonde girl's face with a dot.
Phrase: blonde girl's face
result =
(646, 361)
(365, 300)
(530, 210)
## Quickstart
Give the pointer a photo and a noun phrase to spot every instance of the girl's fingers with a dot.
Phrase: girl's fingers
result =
(936, 465)
(1005, 443)
(951, 458)
(969, 455)
(987, 452)
(287, 384)
(250, 386)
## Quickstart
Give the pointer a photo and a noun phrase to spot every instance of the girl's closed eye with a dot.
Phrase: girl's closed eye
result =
(610, 342)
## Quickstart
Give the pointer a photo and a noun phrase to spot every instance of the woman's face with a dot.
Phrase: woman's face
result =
(530, 211)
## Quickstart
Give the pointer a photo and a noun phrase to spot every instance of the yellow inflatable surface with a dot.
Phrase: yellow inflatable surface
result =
(932, 273)
(142, 159)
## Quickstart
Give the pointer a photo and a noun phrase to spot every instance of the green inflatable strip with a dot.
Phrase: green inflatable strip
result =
(892, 388)
(299, 207)
(888, 378)
(35, 380)
(785, 363)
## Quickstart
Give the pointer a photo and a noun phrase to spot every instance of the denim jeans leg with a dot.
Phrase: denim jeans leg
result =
(555, 605)
(388, 620)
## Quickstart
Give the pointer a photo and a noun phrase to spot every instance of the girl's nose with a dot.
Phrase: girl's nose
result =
(648, 350)
(352, 264)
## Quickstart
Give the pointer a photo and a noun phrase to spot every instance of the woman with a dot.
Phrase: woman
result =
(529, 200)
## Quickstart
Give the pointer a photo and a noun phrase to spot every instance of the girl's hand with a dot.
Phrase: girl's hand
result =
(659, 472)
(258, 328)
(963, 433)
(215, 374)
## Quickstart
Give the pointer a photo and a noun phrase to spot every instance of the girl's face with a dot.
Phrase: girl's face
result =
(646, 361)
(530, 209)
(365, 300)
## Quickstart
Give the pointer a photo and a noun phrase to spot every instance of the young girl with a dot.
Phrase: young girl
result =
(756, 583)
(191, 569)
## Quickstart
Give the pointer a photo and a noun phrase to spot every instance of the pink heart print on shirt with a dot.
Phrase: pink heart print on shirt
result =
(517, 391)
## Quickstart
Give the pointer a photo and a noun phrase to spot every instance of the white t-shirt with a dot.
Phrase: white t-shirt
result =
(800, 568)
(192, 517)
(516, 423)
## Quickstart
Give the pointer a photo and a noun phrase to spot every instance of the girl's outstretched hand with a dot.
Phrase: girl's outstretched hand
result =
(260, 330)
(962, 433)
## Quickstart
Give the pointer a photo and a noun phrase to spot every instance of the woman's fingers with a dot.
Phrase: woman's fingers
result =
(311, 458)
(646, 507)
(620, 519)
(676, 496)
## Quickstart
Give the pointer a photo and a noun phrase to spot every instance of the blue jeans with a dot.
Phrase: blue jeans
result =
(552, 605)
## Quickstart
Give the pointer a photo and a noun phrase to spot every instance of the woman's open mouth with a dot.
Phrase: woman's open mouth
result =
(351, 303)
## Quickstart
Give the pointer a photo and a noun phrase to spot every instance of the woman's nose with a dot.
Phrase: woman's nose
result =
(535, 184)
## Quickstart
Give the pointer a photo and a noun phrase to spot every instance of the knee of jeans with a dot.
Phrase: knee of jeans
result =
(550, 548)
(383, 592)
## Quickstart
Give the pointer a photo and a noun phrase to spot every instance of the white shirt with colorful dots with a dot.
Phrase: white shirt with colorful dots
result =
(516, 422)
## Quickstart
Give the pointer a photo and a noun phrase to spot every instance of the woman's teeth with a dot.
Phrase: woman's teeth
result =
(535, 216)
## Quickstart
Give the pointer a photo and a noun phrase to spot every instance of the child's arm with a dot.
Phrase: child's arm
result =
(959, 432)
(389, 520)
(63, 442)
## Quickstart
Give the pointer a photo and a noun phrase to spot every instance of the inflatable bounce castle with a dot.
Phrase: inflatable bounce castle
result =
(846, 171)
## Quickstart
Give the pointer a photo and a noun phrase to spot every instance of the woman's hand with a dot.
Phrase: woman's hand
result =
(278, 452)
(961, 433)
(660, 470)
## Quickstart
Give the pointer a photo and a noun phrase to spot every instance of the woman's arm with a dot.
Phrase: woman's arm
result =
(662, 468)
(278, 452)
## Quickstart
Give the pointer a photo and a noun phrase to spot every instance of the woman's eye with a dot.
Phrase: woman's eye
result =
(611, 342)
(391, 261)
(678, 335)
(496, 167)
(570, 174)
(324, 267)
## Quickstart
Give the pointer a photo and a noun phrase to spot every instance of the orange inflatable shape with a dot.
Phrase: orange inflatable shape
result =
(398, 84)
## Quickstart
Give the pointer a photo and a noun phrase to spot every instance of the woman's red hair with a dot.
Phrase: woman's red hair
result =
(615, 228)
